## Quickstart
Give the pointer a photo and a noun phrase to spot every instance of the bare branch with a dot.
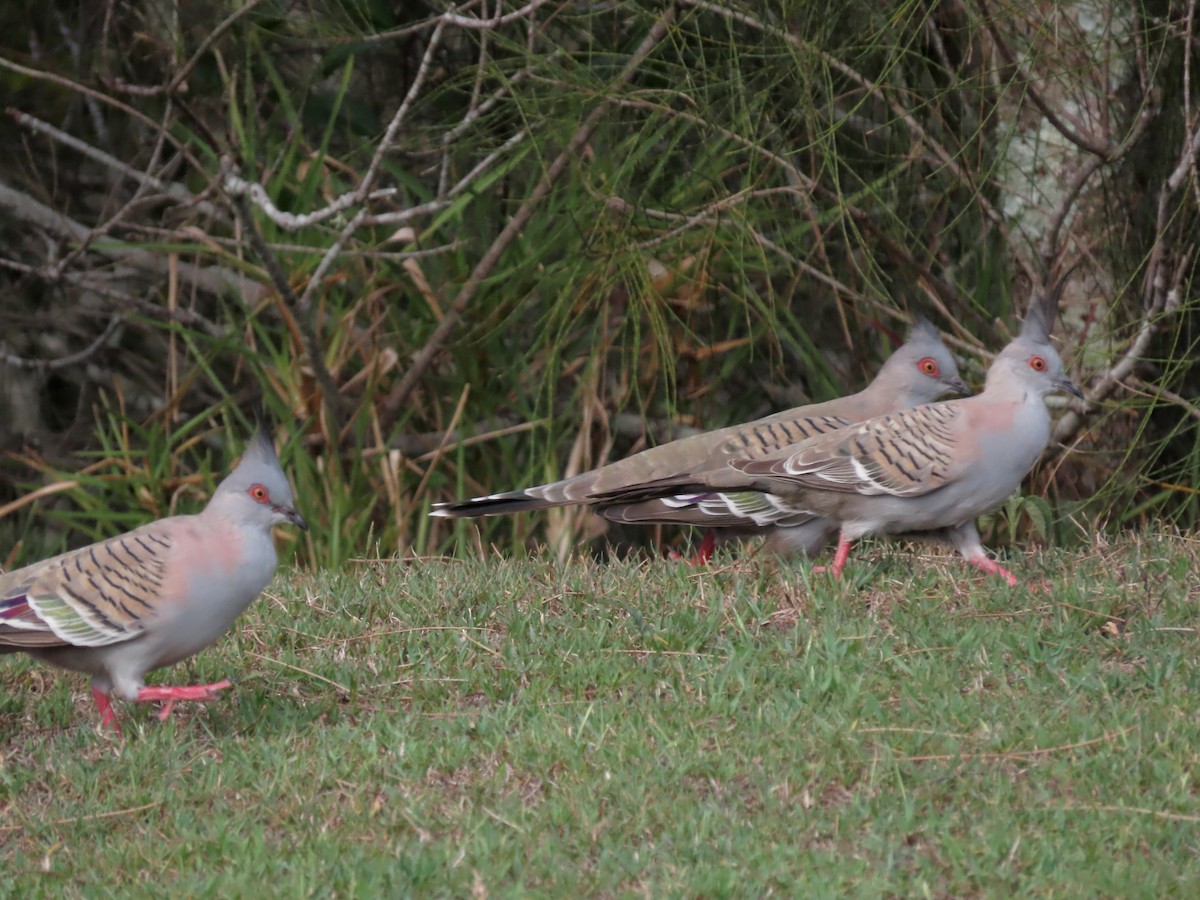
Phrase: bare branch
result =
(212, 279)
(468, 22)
(709, 213)
(1189, 24)
(96, 283)
(236, 186)
(451, 17)
(63, 362)
(1187, 161)
(472, 110)
(171, 189)
(332, 252)
(402, 216)
(1165, 302)
(86, 91)
(1136, 385)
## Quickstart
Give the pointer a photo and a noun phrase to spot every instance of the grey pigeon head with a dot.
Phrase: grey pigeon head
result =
(1031, 364)
(922, 370)
(256, 491)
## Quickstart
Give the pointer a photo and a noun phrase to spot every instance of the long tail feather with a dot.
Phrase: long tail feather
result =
(494, 505)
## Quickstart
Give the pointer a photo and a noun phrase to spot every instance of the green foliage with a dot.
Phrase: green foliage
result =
(1021, 515)
(760, 202)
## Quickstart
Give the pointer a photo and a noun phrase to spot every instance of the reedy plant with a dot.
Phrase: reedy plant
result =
(720, 213)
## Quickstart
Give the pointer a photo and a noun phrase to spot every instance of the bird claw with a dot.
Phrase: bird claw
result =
(994, 568)
(834, 571)
(839, 560)
(171, 695)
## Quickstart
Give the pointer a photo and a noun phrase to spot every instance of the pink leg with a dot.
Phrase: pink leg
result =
(706, 548)
(170, 695)
(993, 568)
(839, 559)
(108, 718)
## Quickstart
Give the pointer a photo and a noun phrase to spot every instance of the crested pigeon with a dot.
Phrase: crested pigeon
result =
(921, 370)
(156, 595)
(929, 470)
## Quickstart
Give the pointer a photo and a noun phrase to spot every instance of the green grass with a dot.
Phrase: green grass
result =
(519, 728)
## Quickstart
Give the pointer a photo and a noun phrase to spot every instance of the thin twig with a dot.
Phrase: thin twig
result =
(171, 189)
(798, 178)
(1140, 810)
(93, 816)
(1072, 131)
(389, 136)
(401, 216)
(93, 282)
(103, 229)
(1164, 303)
(455, 17)
(235, 185)
(461, 21)
(332, 252)
(1136, 385)
(215, 35)
(212, 279)
(340, 688)
(1107, 737)
(944, 157)
(425, 356)
(62, 362)
(86, 91)
(312, 346)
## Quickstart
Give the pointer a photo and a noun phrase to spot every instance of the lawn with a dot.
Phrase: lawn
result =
(522, 728)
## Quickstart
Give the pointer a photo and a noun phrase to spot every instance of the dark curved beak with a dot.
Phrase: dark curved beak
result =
(1070, 387)
(959, 387)
(292, 516)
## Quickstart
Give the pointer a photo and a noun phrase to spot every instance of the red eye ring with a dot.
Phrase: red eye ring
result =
(259, 494)
(1037, 363)
(929, 366)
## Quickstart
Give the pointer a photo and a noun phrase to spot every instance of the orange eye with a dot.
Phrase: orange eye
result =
(1037, 363)
(930, 367)
(260, 493)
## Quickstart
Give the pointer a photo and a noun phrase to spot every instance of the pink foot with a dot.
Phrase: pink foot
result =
(108, 718)
(993, 568)
(703, 554)
(834, 571)
(171, 695)
(839, 560)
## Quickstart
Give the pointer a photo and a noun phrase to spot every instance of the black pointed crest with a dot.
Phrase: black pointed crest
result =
(1039, 320)
(261, 448)
(922, 327)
